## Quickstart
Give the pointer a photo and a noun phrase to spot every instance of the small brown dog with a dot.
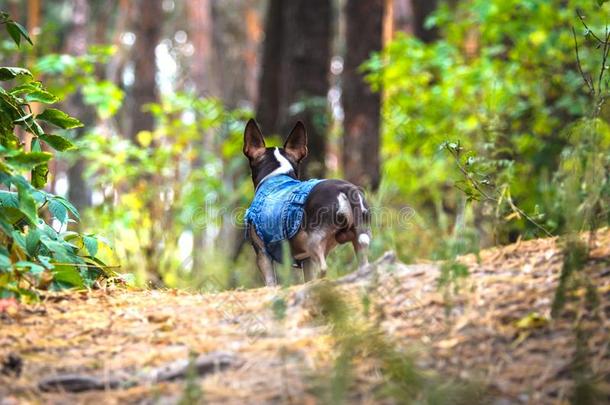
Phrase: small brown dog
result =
(311, 216)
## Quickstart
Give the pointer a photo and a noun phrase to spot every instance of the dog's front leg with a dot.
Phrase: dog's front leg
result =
(265, 265)
(315, 266)
(263, 261)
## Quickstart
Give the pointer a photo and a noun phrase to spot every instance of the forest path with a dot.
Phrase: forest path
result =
(271, 346)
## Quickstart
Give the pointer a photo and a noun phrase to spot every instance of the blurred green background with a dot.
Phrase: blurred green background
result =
(419, 102)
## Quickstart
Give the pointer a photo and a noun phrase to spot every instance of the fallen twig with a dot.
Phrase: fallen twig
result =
(203, 364)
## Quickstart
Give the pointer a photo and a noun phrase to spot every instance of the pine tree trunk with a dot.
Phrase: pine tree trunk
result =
(250, 53)
(199, 17)
(305, 80)
(148, 20)
(421, 10)
(79, 192)
(295, 74)
(403, 16)
(361, 139)
(267, 111)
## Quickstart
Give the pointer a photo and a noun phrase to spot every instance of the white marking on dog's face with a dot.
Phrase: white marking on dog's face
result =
(364, 239)
(284, 168)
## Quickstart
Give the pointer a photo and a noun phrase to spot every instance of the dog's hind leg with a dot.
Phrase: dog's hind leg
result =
(309, 269)
(361, 247)
(320, 259)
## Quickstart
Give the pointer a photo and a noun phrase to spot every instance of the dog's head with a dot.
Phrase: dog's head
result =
(266, 162)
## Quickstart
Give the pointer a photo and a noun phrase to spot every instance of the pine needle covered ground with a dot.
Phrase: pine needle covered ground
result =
(387, 335)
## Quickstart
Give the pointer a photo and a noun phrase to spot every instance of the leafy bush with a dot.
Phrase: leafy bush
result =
(503, 82)
(36, 249)
(171, 198)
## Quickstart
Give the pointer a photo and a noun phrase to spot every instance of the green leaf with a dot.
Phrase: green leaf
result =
(91, 245)
(60, 250)
(57, 142)
(69, 206)
(24, 33)
(27, 160)
(32, 240)
(59, 118)
(13, 31)
(18, 239)
(12, 216)
(39, 175)
(16, 31)
(36, 145)
(5, 261)
(41, 96)
(8, 73)
(33, 268)
(9, 199)
(68, 275)
(27, 205)
(58, 210)
(45, 261)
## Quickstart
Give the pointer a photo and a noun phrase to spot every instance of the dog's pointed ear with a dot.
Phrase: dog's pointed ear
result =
(254, 143)
(296, 143)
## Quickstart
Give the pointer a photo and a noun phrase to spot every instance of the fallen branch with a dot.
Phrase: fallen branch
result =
(203, 365)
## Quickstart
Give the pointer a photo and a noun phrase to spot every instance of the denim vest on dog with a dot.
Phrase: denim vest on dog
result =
(277, 211)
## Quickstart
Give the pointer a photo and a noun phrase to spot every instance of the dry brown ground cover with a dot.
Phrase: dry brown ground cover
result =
(495, 330)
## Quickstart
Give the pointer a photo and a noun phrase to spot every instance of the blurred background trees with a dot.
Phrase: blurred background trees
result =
(163, 88)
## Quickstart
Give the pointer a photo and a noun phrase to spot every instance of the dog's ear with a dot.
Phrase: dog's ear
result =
(296, 144)
(254, 144)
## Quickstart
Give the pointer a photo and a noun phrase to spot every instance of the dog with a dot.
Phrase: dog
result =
(311, 217)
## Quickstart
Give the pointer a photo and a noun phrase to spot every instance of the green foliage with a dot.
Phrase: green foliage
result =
(14, 29)
(357, 339)
(36, 248)
(68, 73)
(503, 81)
(192, 393)
(182, 181)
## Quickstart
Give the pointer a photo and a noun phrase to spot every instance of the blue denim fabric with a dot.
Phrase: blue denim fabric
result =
(277, 211)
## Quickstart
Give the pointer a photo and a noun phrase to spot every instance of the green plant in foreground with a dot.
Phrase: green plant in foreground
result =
(36, 249)
(359, 340)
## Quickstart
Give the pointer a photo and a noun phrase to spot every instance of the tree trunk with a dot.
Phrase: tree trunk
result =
(267, 111)
(199, 17)
(305, 80)
(148, 20)
(364, 21)
(295, 73)
(402, 16)
(250, 53)
(421, 10)
(79, 192)
(235, 39)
